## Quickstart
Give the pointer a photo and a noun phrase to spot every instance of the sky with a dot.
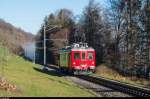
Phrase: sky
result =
(29, 14)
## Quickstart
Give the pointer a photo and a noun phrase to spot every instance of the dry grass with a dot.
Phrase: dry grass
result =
(5, 85)
(109, 73)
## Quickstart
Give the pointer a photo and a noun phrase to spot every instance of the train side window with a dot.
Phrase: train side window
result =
(83, 55)
(90, 56)
(76, 55)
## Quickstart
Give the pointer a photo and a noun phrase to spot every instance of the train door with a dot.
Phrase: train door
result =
(76, 58)
(91, 59)
(84, 61)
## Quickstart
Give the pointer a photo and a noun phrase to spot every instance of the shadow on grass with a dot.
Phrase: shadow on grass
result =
(49, 72)
(53, 73)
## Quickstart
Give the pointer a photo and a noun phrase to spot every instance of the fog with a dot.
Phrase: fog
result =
(29, 49)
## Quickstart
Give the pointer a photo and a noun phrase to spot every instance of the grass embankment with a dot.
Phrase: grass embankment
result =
(31, 82)
(105, 71)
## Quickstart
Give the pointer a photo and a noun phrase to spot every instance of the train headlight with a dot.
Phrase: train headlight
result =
(93, 63)
(74, 63)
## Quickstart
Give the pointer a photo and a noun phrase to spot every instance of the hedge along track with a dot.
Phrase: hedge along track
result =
(122, 87)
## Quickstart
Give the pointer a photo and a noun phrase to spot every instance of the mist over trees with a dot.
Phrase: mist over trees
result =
(120, 34)
(14, 38)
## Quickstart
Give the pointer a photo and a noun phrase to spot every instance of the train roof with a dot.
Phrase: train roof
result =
(83, 49)
(77, 47)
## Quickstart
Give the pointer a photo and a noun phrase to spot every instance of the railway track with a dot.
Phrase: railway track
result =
(115, 85)
(99, 90)
(122, 87)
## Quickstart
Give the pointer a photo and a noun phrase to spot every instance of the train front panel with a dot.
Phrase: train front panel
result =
(83, 61)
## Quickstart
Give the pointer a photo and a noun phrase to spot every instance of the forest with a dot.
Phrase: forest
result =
(120, 34)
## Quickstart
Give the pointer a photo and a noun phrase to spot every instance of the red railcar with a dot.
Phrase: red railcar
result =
(77, 59)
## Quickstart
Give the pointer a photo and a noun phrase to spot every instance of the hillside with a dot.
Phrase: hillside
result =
(30, 81)
(13, 38)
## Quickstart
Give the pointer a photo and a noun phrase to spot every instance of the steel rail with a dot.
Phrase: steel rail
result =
(116, 85)
(122, 87)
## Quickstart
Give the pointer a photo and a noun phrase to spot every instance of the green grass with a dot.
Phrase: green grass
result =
(33, 83)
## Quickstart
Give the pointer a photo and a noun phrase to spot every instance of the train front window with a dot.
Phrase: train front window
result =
(83, 55)
(90, 56)
(76, 56)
